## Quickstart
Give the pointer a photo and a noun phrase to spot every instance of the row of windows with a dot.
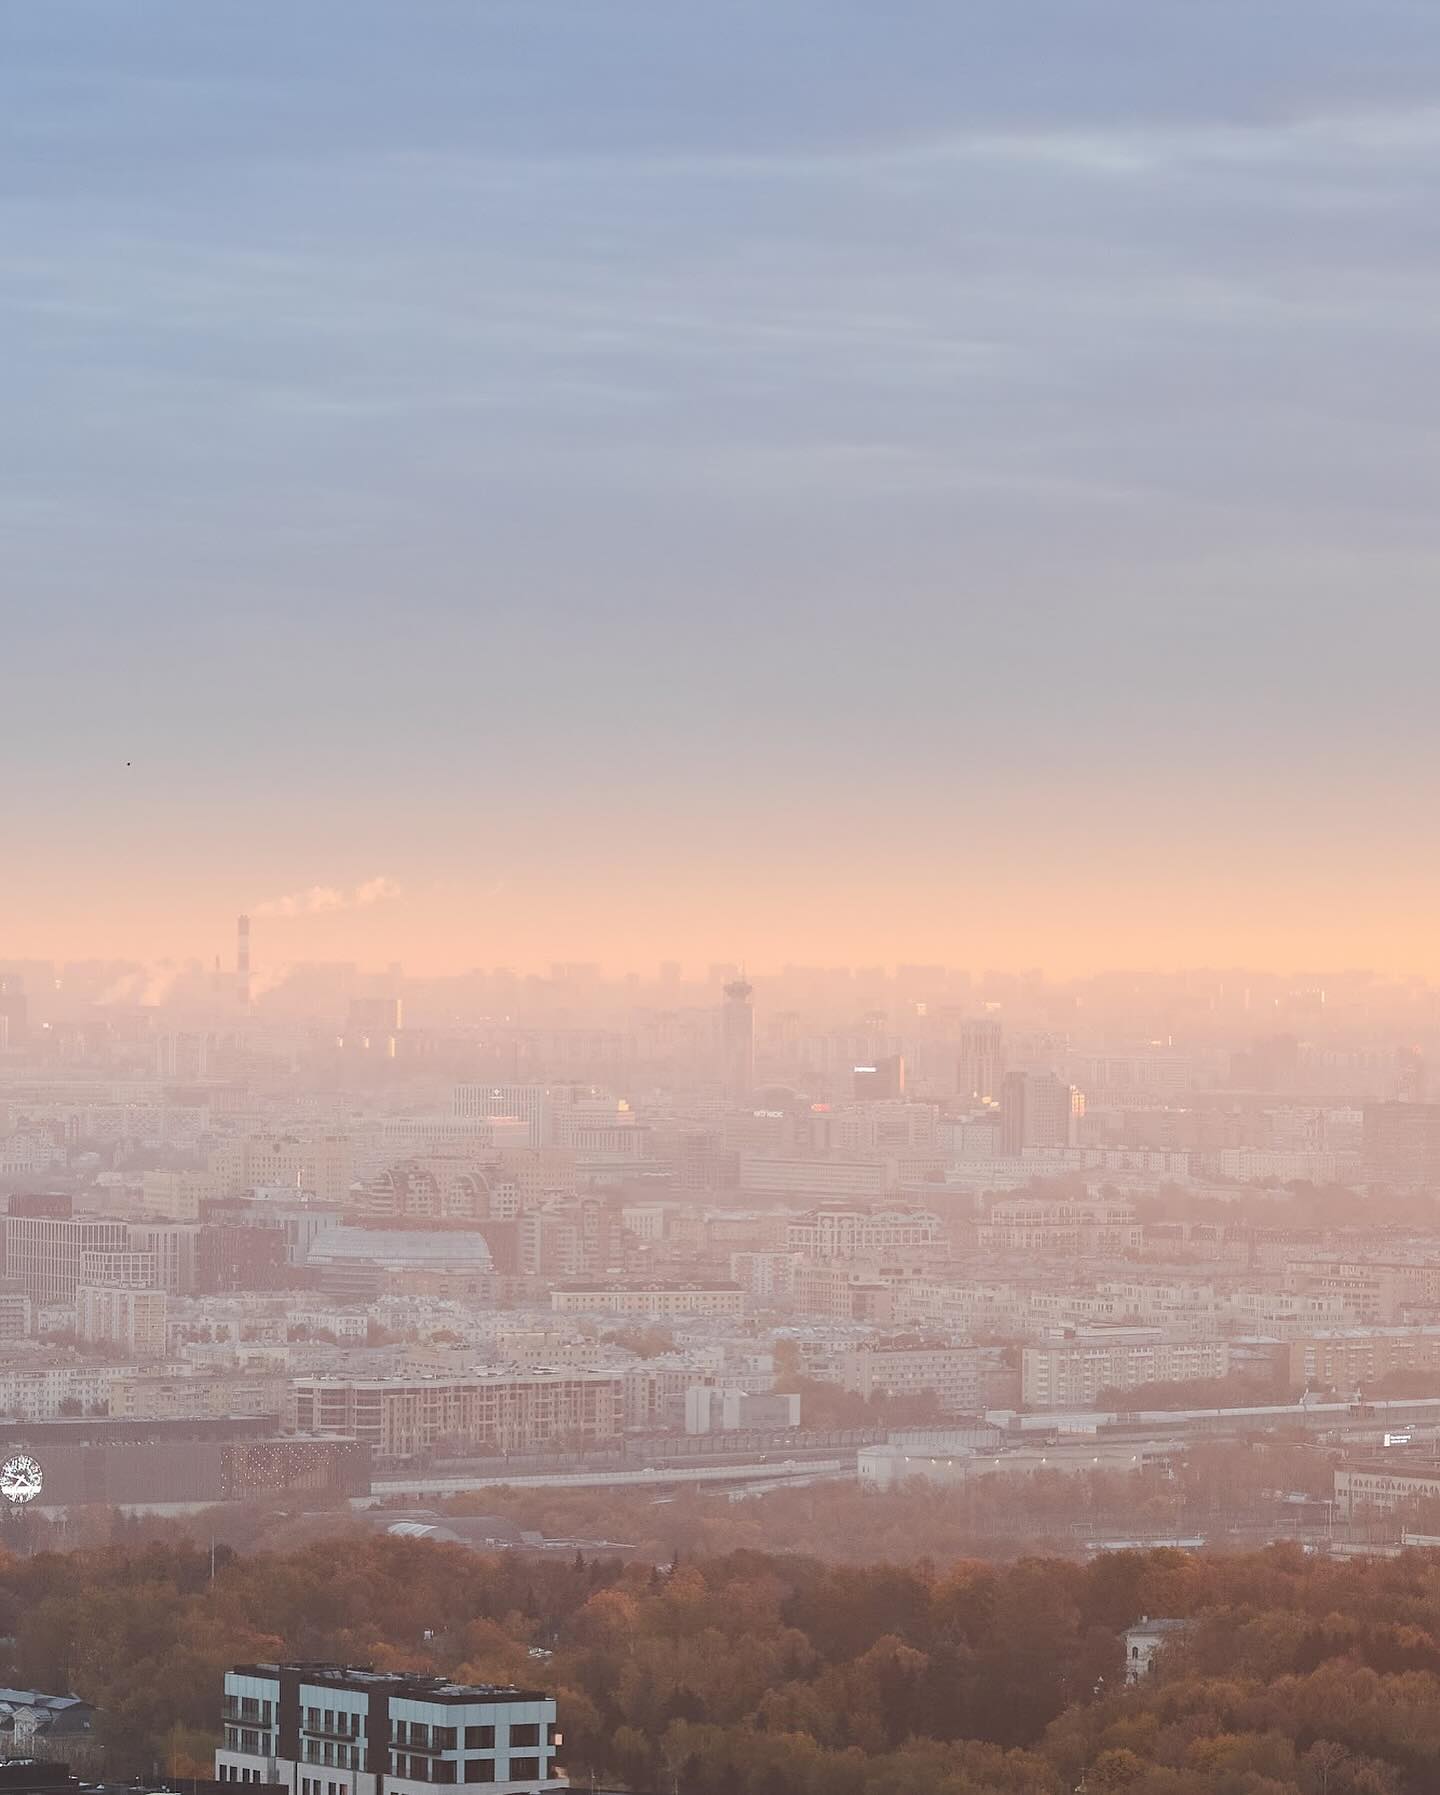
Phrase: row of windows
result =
(332, 1720)
(344, 1757)
(416, 1733)
(253, 1744)
(447, 1771)
(237, 1773)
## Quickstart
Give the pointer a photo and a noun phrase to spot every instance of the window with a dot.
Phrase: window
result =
(312, 1720)
(419, 1733)
(479, 1738)
(443, 1738)
(553, 1734)
(522, 1768)
(479, 1770)
(442, 1770)
(529, 1734)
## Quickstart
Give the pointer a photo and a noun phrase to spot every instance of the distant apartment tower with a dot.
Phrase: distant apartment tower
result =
(1037, 1109)
(982, 1060)
(372, 1026)
(13, 1013)
(120, 1316)
(321, 1729)
(242, 961)
(16, 1315)
(737, 1041)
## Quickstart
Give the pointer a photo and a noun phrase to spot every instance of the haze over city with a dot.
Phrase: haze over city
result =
(727, 482)
(719, 1000)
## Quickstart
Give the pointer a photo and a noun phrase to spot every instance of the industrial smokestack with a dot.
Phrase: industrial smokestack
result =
(242, 960)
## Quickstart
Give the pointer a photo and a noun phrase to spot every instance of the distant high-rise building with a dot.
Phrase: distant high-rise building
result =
(737, 1041)
(882, 1082)
(242, 960)
(982, 1060)
(14, 1013)
(374, 1016)
(1410, 1075)
(533, 1104)
(372, 1026)
(1402, 1143)
(1037, 1109)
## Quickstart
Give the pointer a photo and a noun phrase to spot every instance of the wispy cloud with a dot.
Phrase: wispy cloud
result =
(321, 900)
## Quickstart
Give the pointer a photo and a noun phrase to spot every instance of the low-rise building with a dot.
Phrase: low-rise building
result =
(1384, 1484)
(164, 1397)
(327, 1730)
(653, 1302)
(1072, 1370)
(117, 1315)
(1144, 1640)
(913, 1368)
(487, 1411)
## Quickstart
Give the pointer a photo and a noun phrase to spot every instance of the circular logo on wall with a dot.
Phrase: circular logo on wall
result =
(21, 1479)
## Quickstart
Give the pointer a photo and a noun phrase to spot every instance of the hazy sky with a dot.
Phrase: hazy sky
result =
(810, 479)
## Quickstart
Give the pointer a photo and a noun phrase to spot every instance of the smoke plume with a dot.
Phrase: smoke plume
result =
(319, 900)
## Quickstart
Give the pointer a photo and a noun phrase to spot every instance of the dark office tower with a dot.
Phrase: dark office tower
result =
(1036, 1110)
(884, 1081)
(13, 1013)
(737, 1041)
(982, 1060)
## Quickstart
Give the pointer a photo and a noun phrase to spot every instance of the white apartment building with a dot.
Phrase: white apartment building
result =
(503, 1410)
(1070, 1372)
(895, 1368)
(321, 1165)
(854, 1233)
(650, 1302)
(327, 1730)
(131, 1271)
(767, 1276)
(178, 1195)
(117, 1315)
(1092, 1225)
(48, 1393)
(161, 1397)
(841, 1179)
(408, 1137)
(16, 1315)
(1254, 1165)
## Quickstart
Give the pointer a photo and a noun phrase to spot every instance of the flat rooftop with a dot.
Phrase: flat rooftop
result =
(394, 1682)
